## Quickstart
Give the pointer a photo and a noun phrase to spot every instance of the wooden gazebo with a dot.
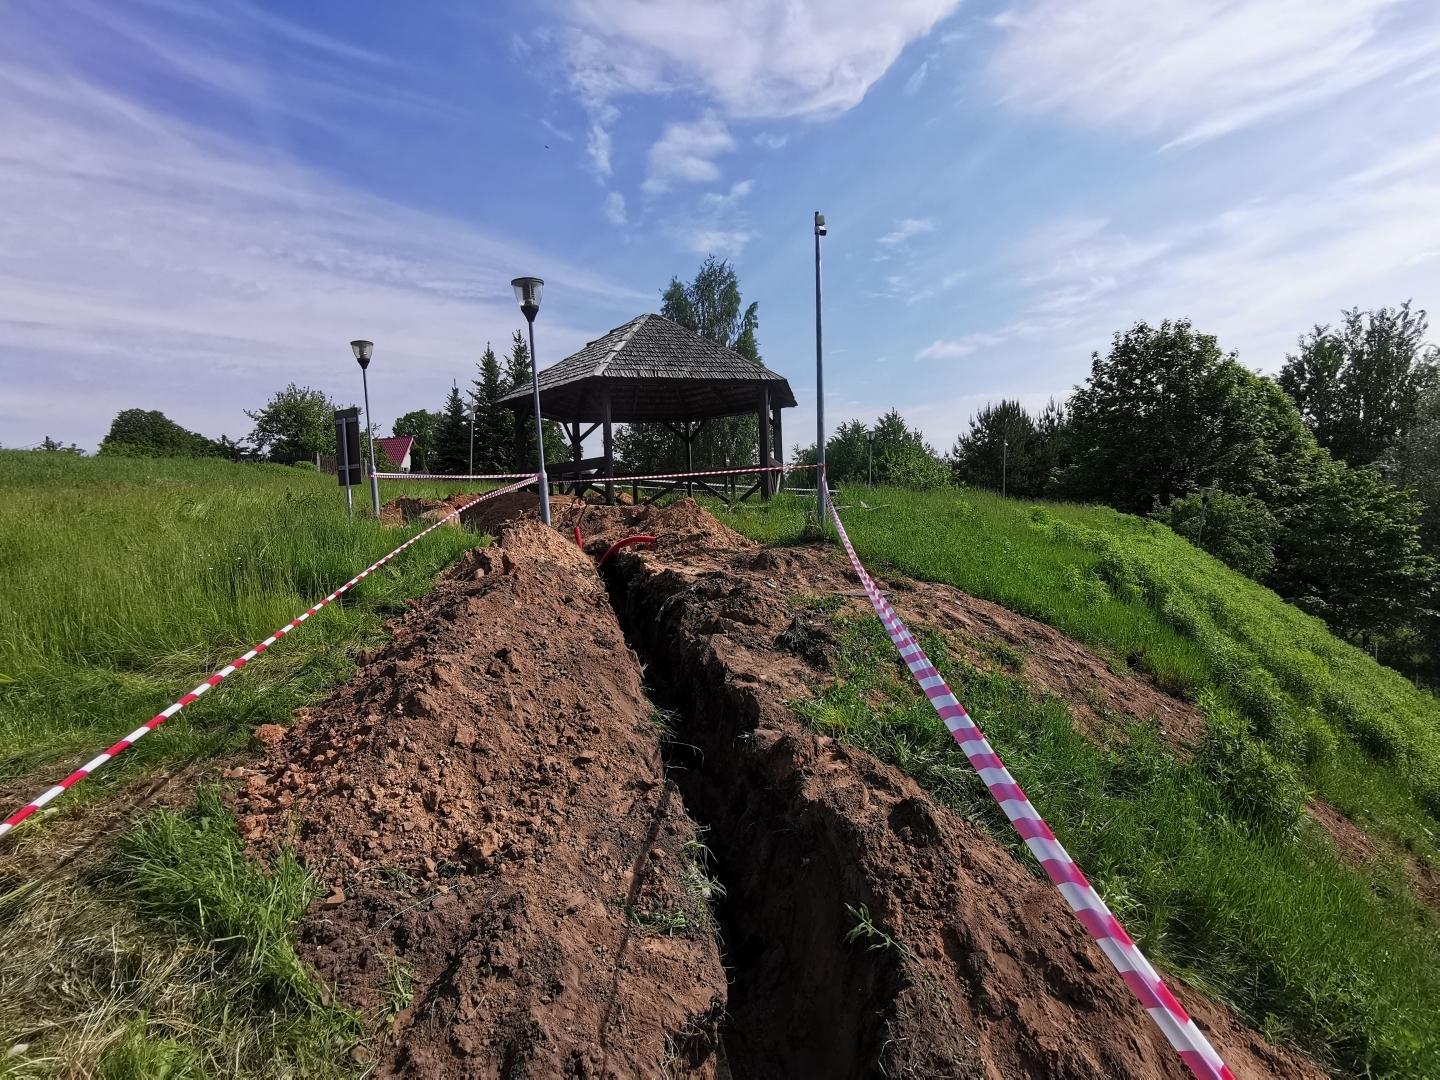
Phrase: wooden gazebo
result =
(651, 370)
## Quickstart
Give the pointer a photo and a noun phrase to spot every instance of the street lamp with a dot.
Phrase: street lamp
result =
(870, 467)
(527, 292)
(821, 483)
(362, 350)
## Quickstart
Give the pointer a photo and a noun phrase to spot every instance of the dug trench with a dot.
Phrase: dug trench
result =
(523, 852)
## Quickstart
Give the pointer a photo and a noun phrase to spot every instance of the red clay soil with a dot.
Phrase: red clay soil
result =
(488, 800)
(993, 977)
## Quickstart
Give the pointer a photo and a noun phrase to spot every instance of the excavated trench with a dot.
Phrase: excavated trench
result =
(506, 831)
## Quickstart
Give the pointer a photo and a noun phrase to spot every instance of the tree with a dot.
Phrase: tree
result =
(296, 424)
(711, 306)
(517, 376)
(1008, 449)
(137, 433)
(1413, 464)
(902, 456)
(1351, 554)
(1360, 385)
(421, 426)
(50, 446)
(452, 435)
(494, 424)
(1239, 530)
(1165, 412)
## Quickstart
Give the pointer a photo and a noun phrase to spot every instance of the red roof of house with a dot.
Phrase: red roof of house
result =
(396, 448)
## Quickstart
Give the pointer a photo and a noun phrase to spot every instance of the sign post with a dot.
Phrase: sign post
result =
(347, 453)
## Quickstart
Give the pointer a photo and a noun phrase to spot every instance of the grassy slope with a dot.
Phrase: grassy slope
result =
(123, 583)
(1209, 861)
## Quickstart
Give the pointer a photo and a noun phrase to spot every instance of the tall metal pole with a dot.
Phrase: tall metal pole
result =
(370, 434)
(1004, 462)
(821, 483)
(539, 429)
(472, 437)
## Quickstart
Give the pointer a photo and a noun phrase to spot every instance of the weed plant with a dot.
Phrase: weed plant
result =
(1209, 859)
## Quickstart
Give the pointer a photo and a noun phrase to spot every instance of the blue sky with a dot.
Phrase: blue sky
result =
(202, 202)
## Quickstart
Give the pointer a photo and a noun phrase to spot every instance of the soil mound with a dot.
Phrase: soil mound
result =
(975, 968)
(486, 798)
(485, 518)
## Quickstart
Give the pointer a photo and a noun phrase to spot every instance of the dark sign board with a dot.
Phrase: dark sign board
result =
(348, 464)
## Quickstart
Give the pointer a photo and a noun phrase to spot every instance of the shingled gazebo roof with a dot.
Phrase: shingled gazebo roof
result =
(655, 370)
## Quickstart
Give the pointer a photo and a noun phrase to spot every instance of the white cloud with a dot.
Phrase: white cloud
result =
(917, 80)
(905, 229)
(1189, 70)
(1257, 273)
(944, 350)
(770, 142)
(753, 58)
(686, 152)
(144, 262)
(716, 226)
(615, 208)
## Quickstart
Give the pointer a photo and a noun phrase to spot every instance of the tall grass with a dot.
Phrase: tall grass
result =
(123, 582)
(174, 958)
(1210, 863)
(1209, 860)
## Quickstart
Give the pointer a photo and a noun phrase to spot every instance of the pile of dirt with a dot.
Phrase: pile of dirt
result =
(974, 967)
(484, 518)
(487, 800)
(989, 635)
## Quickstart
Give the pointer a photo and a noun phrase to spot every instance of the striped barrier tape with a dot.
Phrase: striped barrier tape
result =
(739, 471)
(230, 669)
(1194, 1049)
(531, 477)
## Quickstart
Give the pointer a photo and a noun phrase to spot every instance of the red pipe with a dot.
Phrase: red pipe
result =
(624, 543)
(577, 538)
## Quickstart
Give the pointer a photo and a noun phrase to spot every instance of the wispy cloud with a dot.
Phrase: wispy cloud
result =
(800, 58)
(717, 224)
(615, 208)
(1190, 70)
(146, 262)
(686, 152)
(917, 80)
(905, 229)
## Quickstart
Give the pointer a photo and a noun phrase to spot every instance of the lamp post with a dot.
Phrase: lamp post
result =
(1004, 463)
(870, 460)
(821, 483)
(362, 350)
(527, 292)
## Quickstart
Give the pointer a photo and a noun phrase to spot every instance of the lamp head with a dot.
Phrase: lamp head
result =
(819, 223)
(527, 294)
(362, 350)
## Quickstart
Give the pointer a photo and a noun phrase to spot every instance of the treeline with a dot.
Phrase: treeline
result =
(1323, 484)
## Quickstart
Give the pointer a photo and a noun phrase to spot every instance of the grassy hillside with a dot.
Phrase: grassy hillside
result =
(1211, 860)
(123, 583)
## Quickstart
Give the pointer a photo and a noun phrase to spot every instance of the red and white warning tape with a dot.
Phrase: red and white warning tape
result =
(1143, 979)
(225, 672)
(529, 477)
(737, 471)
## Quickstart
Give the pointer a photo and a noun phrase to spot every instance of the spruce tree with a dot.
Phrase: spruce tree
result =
(517, 377)
(494, 425)
(452, 435)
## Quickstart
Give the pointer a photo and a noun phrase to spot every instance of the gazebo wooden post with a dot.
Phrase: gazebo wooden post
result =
(778, 441)
(763, 430)
(689, 458)
(609, 444)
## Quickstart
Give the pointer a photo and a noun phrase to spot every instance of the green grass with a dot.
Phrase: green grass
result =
(174, 958)
(125, 582)
(1210, 862)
